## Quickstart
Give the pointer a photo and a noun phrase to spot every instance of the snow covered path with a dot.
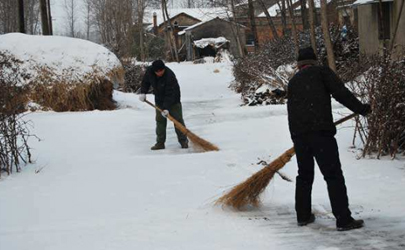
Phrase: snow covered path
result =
(97, 185)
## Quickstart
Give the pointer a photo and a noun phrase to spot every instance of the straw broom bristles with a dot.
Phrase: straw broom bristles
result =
(248, 192)
(205, 145)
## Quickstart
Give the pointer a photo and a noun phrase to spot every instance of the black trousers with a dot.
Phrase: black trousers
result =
(323, 148)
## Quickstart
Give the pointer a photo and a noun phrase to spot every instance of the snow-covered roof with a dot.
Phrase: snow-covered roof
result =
(273, 10)
(216, 42)
(198, 24)
(64, 56)
(202, 14)
(361, 2)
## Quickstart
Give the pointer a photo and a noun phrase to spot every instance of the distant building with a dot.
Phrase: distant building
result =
(374, 32)
(221, 33)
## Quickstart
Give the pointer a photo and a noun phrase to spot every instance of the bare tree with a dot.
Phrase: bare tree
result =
(394, 36)
(141, 10)
(173, 44)
(113, 20)
(44, 17)
(21, 22)
(269, 19)
(253, 24)
(236, 33)
(87, 17)
(70, 7)
(304, 13)
(311, 5)
(49, 17)
(293, 25)
(326, 36)
(282, 8)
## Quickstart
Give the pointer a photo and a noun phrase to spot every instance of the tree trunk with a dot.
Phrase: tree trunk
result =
(312, 25)
(269, 19)
(253, 24)
(21, 23)
(44, 17)
(293, 26)
(140, 25)
(176, 54)
(304, 14)
(49, 17)
(326, 36)
(394, 36)
(283, 15)
(237, 34)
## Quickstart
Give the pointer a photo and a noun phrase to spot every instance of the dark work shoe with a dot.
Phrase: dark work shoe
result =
(158, 146)
(352, 225)
(184, 144)
(306, 222)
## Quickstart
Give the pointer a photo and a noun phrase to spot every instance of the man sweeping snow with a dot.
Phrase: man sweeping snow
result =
(312, 131)
(167, 97)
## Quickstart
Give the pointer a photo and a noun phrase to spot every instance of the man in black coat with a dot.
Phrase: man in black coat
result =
(312, 131)
(167, 97)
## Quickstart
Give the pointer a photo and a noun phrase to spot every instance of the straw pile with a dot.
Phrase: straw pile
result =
(61, 73)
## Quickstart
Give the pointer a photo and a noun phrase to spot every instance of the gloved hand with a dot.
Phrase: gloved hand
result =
(165, 113)
(366, 110)
(278, 92)
(142, 97)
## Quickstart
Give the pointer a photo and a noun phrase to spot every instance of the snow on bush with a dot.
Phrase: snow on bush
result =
(64, 73)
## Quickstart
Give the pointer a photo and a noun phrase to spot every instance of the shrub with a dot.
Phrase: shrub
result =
(14, 133)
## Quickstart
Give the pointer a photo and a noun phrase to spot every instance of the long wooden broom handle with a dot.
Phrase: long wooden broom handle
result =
(291, 151)
(176, 123)
(345, 118)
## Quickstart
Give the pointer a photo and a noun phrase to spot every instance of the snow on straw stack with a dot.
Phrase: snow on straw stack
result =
(64, 71)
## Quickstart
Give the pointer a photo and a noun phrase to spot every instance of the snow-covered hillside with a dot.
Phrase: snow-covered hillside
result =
(96, 184)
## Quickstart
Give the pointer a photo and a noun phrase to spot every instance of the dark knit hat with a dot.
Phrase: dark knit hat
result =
(306, 56)
(158, 65)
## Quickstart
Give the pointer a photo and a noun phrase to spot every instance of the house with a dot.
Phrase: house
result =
(195, 24)
(375, 32)
(205, 38)
(335, 8)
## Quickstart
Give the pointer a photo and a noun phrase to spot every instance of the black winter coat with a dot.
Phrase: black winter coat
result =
(309, 100)
(166, 88)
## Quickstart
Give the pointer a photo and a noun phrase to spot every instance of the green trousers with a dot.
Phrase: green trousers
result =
(161, 123)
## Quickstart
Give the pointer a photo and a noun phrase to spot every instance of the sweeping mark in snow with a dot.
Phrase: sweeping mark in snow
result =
(322, 232)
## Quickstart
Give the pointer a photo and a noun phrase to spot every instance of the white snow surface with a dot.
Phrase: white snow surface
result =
(71, 58)
(96, 184)
(204, 42)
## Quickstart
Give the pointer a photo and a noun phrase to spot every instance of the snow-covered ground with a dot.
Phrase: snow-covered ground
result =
(96, 184)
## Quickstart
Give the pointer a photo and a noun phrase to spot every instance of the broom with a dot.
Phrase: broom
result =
(248, 192)
(205, 145)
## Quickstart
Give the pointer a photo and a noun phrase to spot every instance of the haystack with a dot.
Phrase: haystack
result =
(62, 73)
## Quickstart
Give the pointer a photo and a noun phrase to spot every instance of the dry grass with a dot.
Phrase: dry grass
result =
(74, 97)
(89, 93)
